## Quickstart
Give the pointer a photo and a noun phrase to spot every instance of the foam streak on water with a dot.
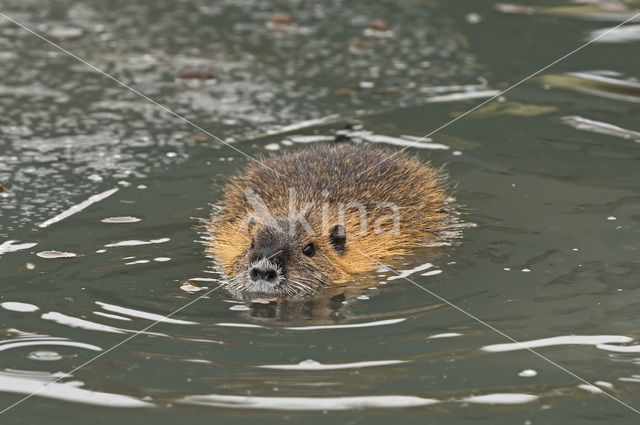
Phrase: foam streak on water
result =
(308, 403)
(558, 340)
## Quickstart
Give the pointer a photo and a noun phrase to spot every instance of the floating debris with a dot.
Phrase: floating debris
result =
(192, 288)
(378, 29)
(199, 138)
(378, 25)
(56, 254)
(281, 22)
(281, 19)
(196, 78)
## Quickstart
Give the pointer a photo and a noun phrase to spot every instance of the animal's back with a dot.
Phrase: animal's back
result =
(345, 173)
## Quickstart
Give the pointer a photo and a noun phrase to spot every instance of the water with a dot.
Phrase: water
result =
(104, 193)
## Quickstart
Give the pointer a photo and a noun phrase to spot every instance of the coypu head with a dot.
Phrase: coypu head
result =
(315, 218)
(283, 259)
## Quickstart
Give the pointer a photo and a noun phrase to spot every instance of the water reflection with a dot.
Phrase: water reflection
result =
(549, 173)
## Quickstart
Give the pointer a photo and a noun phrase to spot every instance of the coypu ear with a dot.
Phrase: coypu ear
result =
(338, 237)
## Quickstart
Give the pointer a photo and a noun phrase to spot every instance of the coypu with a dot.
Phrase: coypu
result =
(311, 218)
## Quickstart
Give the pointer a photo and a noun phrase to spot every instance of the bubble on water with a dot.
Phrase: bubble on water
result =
(612, 218)
(30, 266)
(162, 259)
(527, 373)
(272, 147)
(363, 297)
(46, 356)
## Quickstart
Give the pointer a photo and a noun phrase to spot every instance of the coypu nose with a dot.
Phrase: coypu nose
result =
(266, 274)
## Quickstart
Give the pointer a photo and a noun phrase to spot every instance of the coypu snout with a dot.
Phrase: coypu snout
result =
(268, 255)
(281, 259)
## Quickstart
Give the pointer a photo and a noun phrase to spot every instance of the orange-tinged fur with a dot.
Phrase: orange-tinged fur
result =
(326, 177)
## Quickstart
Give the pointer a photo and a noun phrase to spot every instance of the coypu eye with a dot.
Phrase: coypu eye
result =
(309, 250)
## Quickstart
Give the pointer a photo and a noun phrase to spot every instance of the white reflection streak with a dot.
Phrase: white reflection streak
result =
(159, 105)
(68, 374)
(78, 207)
(577, 49)
(482, 322)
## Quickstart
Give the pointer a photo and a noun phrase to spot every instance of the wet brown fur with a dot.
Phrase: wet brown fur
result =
(415, 187)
